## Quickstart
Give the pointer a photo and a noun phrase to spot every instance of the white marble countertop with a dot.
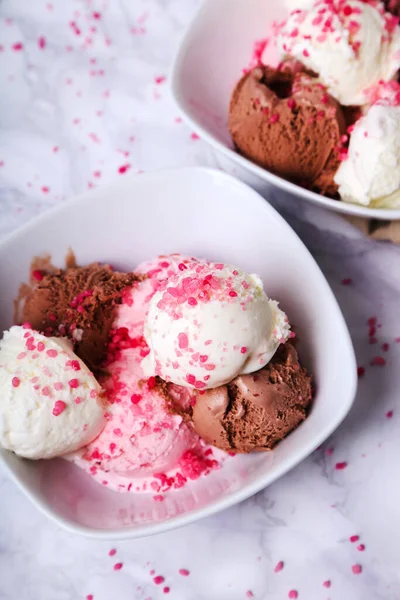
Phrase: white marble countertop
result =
(83, 99)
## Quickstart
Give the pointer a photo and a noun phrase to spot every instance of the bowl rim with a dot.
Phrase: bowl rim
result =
(250, 489)
(176, 86)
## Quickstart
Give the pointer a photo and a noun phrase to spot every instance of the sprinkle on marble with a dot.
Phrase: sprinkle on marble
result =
(354, 538)
(124, 168)
(158, 579)
(194, 136)
(90, 597)
(356, 569)
(340, 466)
(389, 414)
(17, 47)
(249, 594)
(41, 42)
(361, 547)
(279, 566)
(112, 552)
(378, 361)
(184, 572)
(327, 583)
(118, 566)
(166, 590)
(360, 371)
(347, 281)
(293, 594)
(15, 382)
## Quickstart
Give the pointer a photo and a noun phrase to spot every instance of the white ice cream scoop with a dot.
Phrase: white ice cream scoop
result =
(209, 324)
(50, 402)
(351, 45)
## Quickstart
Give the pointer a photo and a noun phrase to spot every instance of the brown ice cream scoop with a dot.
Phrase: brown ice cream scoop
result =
(254, 412)
(286, 122)
(78, 303)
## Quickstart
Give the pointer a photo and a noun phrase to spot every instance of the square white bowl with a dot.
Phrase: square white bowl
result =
(213, 53)
(205, 213)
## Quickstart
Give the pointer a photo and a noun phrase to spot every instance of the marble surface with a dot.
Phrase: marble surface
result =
(84, 99)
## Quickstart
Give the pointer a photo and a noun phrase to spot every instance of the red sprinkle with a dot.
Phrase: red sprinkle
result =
(340, 466)
(274, 118)
(37, 275)
(184, 572)
(166, 590)
(356, 569)
(59, 407)
(378, 361)
(15, 382)
(136, 398)
(124, 168)
(389, 414)
(158, 579)
(361, 547)
(243, 350)
(354, 538)
(279, 566)
(73, 383)
(360, 371)
(151, 383)
(118, 566)
(112, 552)
(347, 281)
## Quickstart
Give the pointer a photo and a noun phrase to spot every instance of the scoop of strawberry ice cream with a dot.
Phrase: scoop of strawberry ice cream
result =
(141, 437)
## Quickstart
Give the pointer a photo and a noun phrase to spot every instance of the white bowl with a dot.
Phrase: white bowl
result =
(216, 48)
(206, 213)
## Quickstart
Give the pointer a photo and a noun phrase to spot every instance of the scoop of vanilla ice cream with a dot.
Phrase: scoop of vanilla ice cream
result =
(209, 324)
(50, 402)
(370, 175)
(351, 45)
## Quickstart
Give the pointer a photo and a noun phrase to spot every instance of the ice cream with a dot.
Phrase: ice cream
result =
(50, 402)
(287, 123)
(78, 303)
(350, 45)
(210, 323)
(371, 174)
(254, 412)
(392, 6)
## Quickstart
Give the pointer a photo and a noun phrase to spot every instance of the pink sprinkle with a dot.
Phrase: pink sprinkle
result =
(117, 432)
(389, 414)
(159, 79)
(306, 53)
(249, 594)
(183, 341)
(243, 350)
(40, 347)
(232, 294)
(327, 583)
(279, 566)
(385, 347)
(15, 382)
(41, 42)
(124, 168)
(194, 136)
(75, 365)
(274, 118)
(37, 275)
(192, 301)
(378, 361)
(73, 383)
(354, 538)
(46, 391)
(166, 590)
(93, 394)
(59, 407)
(184, 572)
(136, 398)
(21, 355)
(89, 597)
(78, 400)
(158, 579)
(112, 552)
(293, 594)
(151, 383)
(356, 569)
(347, 281)
(340, 466)
(17, 47)
(361, 547)
(118, 566)
(291, 103)
(45, 189)
(51, 353)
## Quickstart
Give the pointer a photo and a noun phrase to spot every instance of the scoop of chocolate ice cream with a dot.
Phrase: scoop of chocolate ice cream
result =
(77, 303)
(286, 122)
(254, 412)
